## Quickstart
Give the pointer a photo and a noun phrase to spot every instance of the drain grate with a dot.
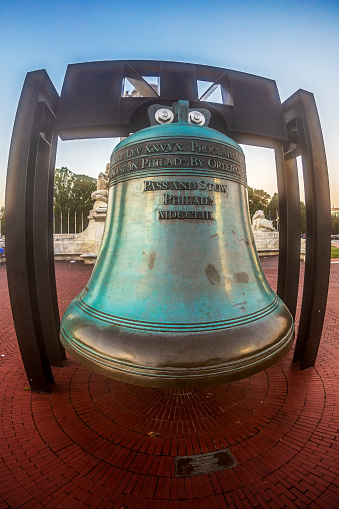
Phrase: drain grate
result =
(200, 464)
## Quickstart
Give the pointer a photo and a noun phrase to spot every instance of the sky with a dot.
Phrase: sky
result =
(295, 43)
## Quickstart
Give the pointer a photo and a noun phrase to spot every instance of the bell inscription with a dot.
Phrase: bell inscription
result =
(173, 158)
(202, 185)
(179, 155)
(186, 214)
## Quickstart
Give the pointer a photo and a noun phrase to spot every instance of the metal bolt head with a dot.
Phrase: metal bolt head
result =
(195, 117)
(164, 116)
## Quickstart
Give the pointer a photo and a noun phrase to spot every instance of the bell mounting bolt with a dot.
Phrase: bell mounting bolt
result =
(180, 113)
(164, 116)
(195, 117)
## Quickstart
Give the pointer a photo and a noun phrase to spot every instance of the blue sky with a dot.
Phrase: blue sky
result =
(296, 43)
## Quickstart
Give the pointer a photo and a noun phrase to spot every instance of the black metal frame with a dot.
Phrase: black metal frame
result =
(91, 106)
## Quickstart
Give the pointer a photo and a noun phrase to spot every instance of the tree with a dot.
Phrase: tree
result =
(258, 199)
(334, 225)
(72, 194)
(63, 183)
(2, 216)
(273, 210)
(83, 187)
(302, 217)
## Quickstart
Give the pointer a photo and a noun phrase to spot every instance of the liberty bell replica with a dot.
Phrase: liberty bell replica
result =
(177, 297)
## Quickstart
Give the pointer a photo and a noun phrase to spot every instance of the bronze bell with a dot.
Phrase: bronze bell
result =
(177, 297)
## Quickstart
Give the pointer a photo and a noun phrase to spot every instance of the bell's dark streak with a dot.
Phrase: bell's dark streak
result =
(177, 297)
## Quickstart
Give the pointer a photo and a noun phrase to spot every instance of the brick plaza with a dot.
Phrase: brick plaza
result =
(97, 443)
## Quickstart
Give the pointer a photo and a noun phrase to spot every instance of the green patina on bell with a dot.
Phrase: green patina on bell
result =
(177, 297)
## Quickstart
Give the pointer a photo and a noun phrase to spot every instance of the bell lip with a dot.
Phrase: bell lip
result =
(179, 378)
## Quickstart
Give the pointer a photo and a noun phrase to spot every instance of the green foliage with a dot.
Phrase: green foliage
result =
(258, 199)
(273, 210)
(334, 252)
(3, 220)
(72, 193)
(83, 187)
(63, 184)
(274, 203)
(302, 217)
(334, 225)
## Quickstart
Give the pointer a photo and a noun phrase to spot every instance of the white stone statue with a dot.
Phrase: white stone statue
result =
(101, 194)
(260, 223)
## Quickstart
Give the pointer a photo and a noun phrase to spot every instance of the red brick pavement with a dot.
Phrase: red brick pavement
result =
(99, 443)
